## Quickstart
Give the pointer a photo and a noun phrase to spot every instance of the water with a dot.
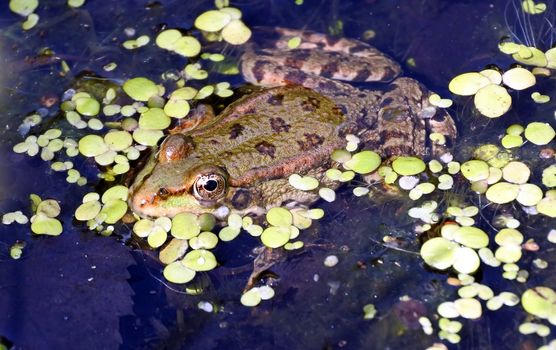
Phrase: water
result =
(83, 290)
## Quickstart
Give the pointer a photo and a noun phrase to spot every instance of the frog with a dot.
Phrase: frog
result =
(240, 160)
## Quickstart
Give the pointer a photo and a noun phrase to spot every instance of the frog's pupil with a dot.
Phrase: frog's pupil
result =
(211, 185)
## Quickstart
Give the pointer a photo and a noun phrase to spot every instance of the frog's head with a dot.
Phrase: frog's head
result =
(175, 181)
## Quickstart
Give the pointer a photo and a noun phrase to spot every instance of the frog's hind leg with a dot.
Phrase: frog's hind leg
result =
(404, 117)
(321, 55)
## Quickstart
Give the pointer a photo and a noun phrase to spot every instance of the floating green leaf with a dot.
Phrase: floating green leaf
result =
(177, 272)
(199, 260)
(363, 162)
(408, 166)
(539, 133)
(140, 89)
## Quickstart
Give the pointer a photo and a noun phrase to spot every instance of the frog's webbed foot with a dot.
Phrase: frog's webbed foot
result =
(404, 117)
(266, 258)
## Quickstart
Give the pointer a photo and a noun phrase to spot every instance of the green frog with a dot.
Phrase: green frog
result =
(239, 161)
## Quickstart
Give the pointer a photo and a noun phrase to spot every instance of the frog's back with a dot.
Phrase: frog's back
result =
(271, 133)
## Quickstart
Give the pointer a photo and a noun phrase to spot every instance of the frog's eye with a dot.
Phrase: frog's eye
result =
(209, 187)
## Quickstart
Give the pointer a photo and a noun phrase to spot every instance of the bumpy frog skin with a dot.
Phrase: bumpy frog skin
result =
(242, 158)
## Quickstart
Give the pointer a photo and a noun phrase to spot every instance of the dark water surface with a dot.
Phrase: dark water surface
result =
(83, 291)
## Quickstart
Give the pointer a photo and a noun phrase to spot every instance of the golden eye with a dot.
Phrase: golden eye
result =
(209, 187)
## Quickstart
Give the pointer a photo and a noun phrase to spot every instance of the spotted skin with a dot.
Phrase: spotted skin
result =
(292, 125)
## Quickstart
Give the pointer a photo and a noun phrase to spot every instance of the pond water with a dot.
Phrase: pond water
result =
(83, 290)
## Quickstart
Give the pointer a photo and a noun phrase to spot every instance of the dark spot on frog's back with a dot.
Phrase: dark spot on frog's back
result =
(362, 75)
(389, 73)
(294, 61)
(266, 148)
(241, 199)
(259, 69)
(329, 69)
(311, 104)
(386, 102)
(275, 100)
(310, 141)
(295, 77)
(235, 131)
(279, 125)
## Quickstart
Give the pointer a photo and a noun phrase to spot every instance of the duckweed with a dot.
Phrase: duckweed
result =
(363, 162)
(236, 32)
(16, 216)
(185, 226)
(492, 101)
(540, 302)
(303, 183)
(327, 194)
(532, 8)
(251, 298)
(502, 192)
(369, 312)
(408, 165)
(154, 119)
(30, 22)
(23, 7)
(177, 272)
(44, 221)
(173, 251)
(276, 236)
(549, 176)
(212, 21)
(539, 133)
(468, 308)
(468, 84)
(539, 98)
(518, 78)
(140, 89)
(199, 260)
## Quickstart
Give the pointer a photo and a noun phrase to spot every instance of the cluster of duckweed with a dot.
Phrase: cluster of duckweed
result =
(44, 221)
(488, 86)
(173, 41)
(15, 216)
(461, 246)
(186, 240)
(529, 55)
(133, 44)
(223, 24)
(26, 8)
(440, 102)
(256, 294)
(503, 180)
(456, 247)
(98, 211)
(115, 147)
(350, 165)
(533, 8)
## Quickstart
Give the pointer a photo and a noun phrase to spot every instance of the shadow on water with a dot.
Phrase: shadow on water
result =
(87, 291)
